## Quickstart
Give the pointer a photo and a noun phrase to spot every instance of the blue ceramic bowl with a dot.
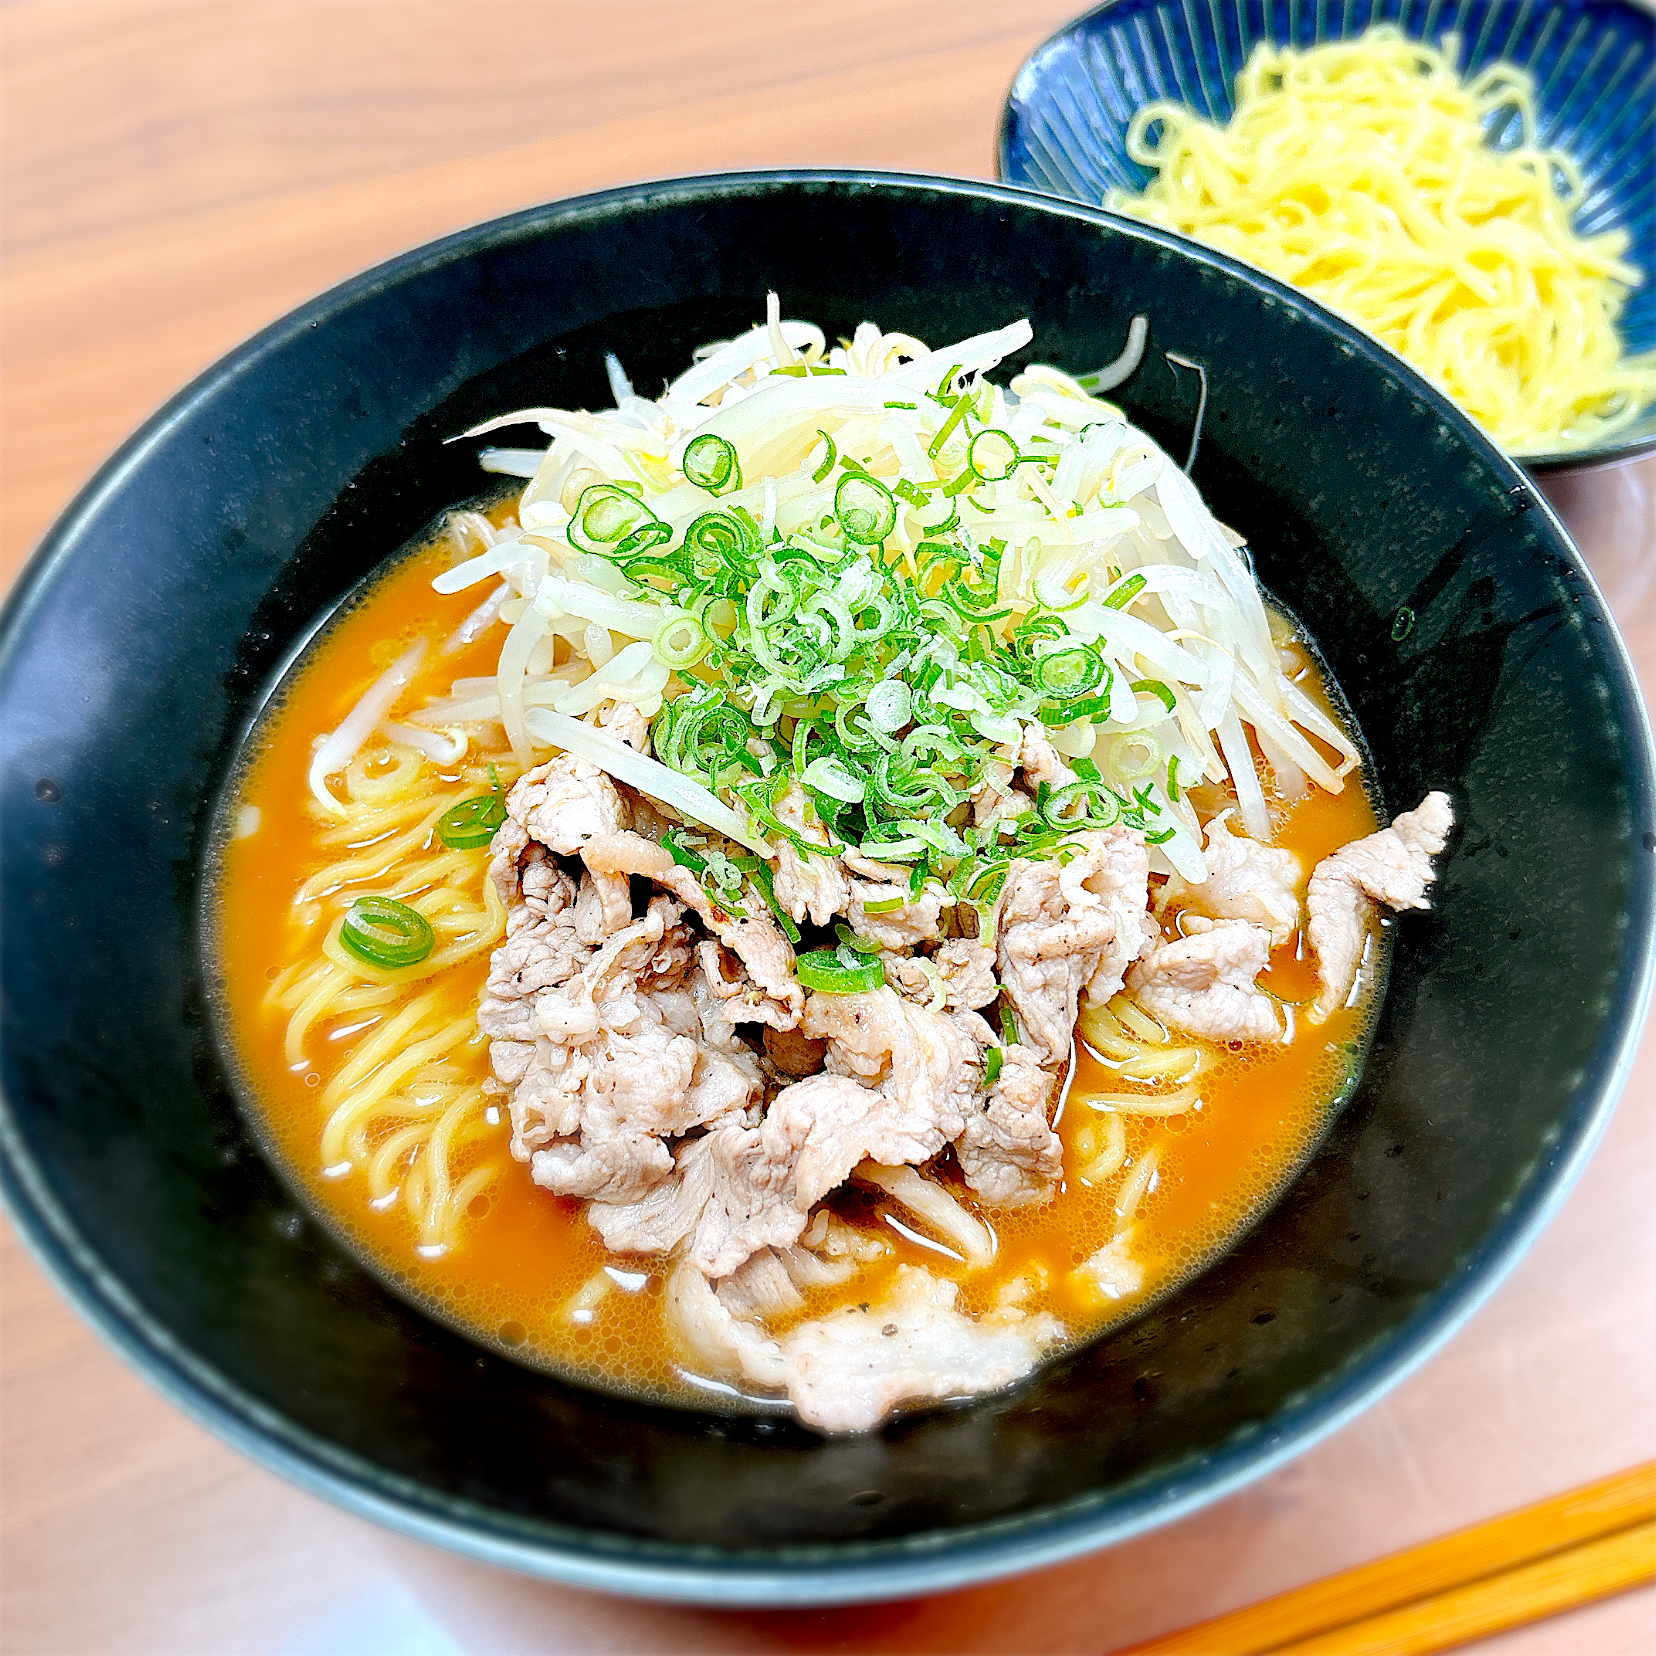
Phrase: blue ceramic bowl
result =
(141, 642)
(1064, 127)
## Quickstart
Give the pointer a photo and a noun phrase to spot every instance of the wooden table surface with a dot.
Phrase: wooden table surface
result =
(180, 172)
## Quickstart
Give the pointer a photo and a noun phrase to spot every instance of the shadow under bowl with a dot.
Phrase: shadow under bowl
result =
(135, 651)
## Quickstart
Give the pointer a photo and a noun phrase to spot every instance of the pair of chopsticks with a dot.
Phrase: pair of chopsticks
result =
(1543, 1559)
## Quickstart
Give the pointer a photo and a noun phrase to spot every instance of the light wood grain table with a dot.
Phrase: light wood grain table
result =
(180, 172)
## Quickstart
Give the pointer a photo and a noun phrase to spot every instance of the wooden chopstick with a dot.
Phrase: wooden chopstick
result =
(1518, 1568)
(1560, 1581)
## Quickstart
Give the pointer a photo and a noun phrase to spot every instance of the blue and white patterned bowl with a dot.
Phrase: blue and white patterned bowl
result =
(1064, 127)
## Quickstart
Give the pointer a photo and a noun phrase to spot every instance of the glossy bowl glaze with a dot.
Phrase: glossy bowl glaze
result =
(1064, 127)
(139, 643)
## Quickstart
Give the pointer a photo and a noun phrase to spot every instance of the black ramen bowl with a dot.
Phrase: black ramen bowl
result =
(139, 643)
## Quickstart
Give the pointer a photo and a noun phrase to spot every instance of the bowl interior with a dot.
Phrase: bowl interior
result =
(138, 646)
(1064, 128)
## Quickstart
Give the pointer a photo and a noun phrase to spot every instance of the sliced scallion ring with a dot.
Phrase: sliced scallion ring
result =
(712, 464)
(1155, 687)
(1105, 809)
(828, 775)
(866, 510)
(992, 1061)
(717, 541)
(674, 840)
(1132, 756)
(1068, 673)
(822, 971)
(885, 905)
(610, 518)
(993, 455)
(471, 823)
(384, 932)
(681, 641)
(890, 705)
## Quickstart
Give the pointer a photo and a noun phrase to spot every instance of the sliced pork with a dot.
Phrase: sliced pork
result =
(1065, 926)
(754, 939)
(1246, 881)
(809, 885)
(898, 1084)
(614, 1005)
(1205, 981)
(904, 927)
(1114, 1271)
(604, 1055)
(559, 805)
(960, 976)
(1008, 1152)
(847, 1371)
(1393, 867)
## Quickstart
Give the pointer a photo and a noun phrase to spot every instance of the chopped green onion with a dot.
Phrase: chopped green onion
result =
(726, 881)
(1106, 809)
(681, 641)
(1069, 673)
(822, 971)
(859, 946)
(1124, 592)
(712, 464)
(1133, 755)
(885, 905)
(902, 405)
(1403, 624)
(993, 455)
(828, 460)
(718, 543)
(1155, 687)
(472, 822)
(745, 518)
(676, 844)
(1173, 777)
(613, 520)
(828, 775)
(946, 430)
(890, 706)
(1009, 1025)
(865, 508)
(1160, 838)
(1056, 799)
(992, 1061)
(384, 932)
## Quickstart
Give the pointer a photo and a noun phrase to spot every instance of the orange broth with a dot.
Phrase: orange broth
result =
(522, 1255)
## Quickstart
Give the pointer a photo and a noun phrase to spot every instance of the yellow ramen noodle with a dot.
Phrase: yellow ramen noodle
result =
(1359, 172)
